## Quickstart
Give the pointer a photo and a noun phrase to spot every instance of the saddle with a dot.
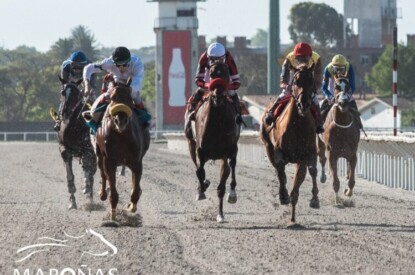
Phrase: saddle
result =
(282, 103)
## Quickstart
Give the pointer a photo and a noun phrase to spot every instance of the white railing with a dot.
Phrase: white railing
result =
(384, 159)
(27, 136)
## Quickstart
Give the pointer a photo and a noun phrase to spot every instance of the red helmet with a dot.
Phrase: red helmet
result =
(302, 49)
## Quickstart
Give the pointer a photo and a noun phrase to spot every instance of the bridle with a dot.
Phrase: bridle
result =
(66, 95)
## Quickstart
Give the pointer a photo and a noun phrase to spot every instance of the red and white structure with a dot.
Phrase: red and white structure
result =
(395, 79)
(176, 60)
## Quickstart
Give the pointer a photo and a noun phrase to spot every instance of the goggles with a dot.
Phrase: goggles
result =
(339, 69)
(302, 59)
(122, 65)
(214, 59)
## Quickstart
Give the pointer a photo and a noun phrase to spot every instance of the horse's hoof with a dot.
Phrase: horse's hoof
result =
(72, 205)
(207, 184)
(323, 178)
(348, 192)
(232, 197)
(132, 207)
(201, 196)
(315, 203)
(103, 195)
(220, 218)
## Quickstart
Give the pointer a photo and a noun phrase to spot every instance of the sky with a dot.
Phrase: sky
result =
(130, 23)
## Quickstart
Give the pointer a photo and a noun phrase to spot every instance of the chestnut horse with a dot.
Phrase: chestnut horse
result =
(74, 140)
(214, 136)
(291, 139)
(340, 138)
(121, 140)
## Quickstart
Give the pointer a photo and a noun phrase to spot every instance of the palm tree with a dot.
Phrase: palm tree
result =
(85, 41)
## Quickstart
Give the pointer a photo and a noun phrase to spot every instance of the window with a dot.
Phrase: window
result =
(364, 59)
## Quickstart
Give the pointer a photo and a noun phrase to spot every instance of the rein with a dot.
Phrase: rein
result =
(339, 125)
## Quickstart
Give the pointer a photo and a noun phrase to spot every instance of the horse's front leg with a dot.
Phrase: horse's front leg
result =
(282, 178)
(321, 151)
(300, 173)
(336, 181)
(89, 166)
(137, 172)
(224, 174)
(314, 202)
(351, 175)
(232, 197)
(110, 170)
(201, 176)
(70, 178)
(103, 192)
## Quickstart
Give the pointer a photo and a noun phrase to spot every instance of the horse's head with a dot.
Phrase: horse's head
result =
(218, 86)
(303, 87)
(342, 92)
(121, 105)
(71, 98)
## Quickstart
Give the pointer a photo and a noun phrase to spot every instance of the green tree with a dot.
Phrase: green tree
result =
(318, 24)
(148, 92)
(380, 78)
(260, 39)
(26, 88)
(85, 41)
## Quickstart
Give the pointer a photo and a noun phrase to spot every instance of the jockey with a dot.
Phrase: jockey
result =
(302, 54)
(122, 65)
(71, 71)
(216, 52)
(338, 67)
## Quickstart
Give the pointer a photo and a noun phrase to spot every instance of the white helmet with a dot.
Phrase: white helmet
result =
(216, 50)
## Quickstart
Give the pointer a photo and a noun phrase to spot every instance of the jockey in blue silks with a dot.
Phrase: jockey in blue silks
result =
(338, 67)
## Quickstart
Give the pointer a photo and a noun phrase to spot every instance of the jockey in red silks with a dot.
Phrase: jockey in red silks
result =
(302, 54)
(216, 52)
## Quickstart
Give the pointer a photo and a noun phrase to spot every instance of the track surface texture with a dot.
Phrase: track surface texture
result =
(172, 233)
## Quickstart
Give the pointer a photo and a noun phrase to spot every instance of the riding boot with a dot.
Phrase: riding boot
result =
(196, 98)
(325, 108)
(237, 105)
(318, 118)
(269, 117)
(143, 114)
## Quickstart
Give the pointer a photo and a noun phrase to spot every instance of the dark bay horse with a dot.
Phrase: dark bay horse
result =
(74, 139)
(340, 138)
(215, 136)
(121, 140)
(291, 139)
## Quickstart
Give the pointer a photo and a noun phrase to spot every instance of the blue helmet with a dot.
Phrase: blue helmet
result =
(78, 57)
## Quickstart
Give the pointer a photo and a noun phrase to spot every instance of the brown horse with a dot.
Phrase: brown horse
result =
(291, 139)
(74, 140)
(214, 136)
(121, 140)
(340, 138)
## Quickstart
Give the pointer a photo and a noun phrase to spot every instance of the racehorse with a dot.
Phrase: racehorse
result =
(121, 140)
(74, 140)
(214, 136)
(340, 138)
(291, 139)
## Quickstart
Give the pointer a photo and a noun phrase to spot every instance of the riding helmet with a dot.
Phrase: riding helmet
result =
(302, 49)
(216, 50)
(339, 60)
(121, 55)
(78, 57)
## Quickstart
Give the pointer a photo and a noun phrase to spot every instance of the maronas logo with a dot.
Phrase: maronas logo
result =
(26, 252)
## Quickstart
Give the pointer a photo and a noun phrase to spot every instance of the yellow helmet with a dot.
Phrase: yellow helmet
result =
(339, 60)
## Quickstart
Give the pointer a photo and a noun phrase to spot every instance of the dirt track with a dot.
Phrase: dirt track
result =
(178, 235)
